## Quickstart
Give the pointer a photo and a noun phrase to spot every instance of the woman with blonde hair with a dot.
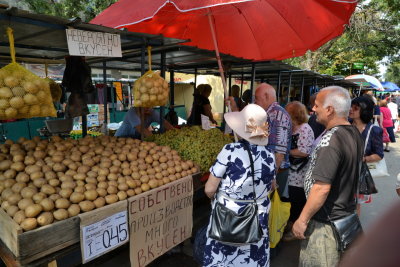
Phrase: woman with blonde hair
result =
(301, 147)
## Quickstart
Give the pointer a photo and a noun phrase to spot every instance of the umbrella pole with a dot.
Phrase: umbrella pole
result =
(221, 69)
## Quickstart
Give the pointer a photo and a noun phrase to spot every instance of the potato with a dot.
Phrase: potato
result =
(39, 182)
(80, 188)
(28, 192)
(10, 174)
(122, 195)
(91, 195)
(33, 210)
(101, 192)
(60, 214)
(68, 184)
(112, 189)
(5, 165)
(83, 169)
(99, 202)
(36, 175)
(19, 216)
(76, 197)
(123, 187)
(59, 167)
(86, 205)
(17, 187)
(29, 224)
(25, 202)
(54, 197)
(48, 189)
(65, 193)
(47, 204)
(32, 169)
(45, 218)
(14, 198)
(74, 210)
(80, 176)
(49, 175)
(138, 190)
(62, 203)
(11, 210)
(111, 198)
(130, 192)
(54, 182)
(18, 166)
(38, 197)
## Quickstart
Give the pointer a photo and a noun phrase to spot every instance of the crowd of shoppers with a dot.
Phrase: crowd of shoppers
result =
(313, 158)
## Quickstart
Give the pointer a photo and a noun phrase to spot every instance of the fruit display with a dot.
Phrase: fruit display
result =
(150, 90)
(193, 143)
(76, 134)
(23, 94)
(44, 181)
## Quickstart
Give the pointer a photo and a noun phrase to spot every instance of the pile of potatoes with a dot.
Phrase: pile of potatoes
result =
(43, 181)
(23, 94)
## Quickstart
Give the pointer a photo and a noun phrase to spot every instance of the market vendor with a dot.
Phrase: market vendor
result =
(131, 126)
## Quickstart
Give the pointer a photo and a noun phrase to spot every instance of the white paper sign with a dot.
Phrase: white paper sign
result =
(205, 122)
(104, 236)
(93, 44)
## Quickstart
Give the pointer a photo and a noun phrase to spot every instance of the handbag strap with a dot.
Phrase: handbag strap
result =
(367, 139)
(247, 148)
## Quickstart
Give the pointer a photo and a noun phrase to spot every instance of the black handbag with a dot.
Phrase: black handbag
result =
(346, 229)
(231, 228)
(367, 184)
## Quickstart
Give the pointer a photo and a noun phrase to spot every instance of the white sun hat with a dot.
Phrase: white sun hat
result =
(250, 124)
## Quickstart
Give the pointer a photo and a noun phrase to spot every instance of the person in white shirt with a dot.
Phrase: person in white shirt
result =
(394, 110)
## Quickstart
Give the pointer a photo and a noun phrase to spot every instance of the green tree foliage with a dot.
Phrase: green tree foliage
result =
(393, 73)
(373, 35)
(85, 9)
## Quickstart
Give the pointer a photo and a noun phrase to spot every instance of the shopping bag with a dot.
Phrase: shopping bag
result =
(378, 169)
(386, 138)
(278, 217)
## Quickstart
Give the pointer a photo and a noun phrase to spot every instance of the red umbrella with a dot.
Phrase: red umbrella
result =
(258, 29)
(252, 29)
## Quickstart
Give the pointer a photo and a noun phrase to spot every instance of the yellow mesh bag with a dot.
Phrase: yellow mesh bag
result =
(22, 93)
(150, 89)
(55, 88)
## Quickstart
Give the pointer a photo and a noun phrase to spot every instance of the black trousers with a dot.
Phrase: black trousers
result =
(297, 199)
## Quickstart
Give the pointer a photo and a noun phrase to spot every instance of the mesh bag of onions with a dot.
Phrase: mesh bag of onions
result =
(150, 90)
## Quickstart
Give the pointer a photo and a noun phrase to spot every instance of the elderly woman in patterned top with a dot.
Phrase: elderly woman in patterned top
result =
(231, 184)
(301, 147)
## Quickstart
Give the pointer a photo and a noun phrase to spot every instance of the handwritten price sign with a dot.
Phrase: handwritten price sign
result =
(105, 235)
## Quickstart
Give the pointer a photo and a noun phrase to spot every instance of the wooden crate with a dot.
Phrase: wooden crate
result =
(35, 244)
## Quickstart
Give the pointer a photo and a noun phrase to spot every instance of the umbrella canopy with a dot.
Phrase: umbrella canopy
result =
(389, 86)
(366, 81)
(251, 29)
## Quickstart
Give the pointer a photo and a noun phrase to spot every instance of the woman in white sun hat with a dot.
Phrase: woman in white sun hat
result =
(231, 176)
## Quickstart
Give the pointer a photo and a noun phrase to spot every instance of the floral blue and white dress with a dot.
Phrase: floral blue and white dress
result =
(233, 167)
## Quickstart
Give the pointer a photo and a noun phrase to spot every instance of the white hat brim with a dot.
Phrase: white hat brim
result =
(236, 122)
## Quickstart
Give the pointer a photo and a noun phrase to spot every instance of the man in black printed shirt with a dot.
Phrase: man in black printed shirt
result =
(329, 183)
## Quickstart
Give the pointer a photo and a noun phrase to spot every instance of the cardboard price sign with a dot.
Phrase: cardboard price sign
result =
(93, 44)
(159, 220)
(102, 232)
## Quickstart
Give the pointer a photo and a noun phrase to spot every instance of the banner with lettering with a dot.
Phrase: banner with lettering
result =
(93, 44)
(159, 220)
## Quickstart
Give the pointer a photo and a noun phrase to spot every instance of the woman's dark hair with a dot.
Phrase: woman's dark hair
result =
(246, 96)
(366, 106)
